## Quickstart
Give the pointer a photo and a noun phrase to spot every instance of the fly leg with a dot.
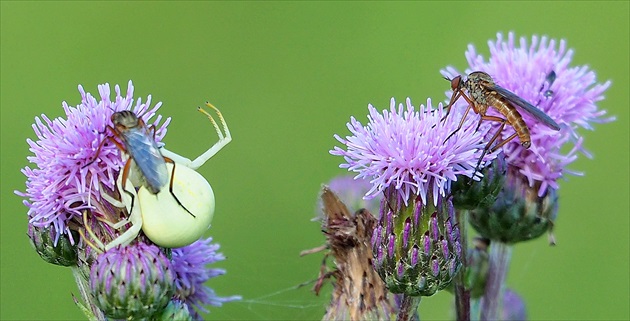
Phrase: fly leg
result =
(100, 145)
(170, 186)
(456, 94)
(461, 123)
(489, 147)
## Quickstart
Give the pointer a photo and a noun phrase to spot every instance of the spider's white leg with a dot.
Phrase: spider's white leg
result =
(203, 158)
(113, 201)
(126, 238)
(135, 215)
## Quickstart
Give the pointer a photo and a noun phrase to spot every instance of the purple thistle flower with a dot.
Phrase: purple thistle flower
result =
(62, 185)
(405, 149)
(540, 73)
(189, 265)
(406, 155)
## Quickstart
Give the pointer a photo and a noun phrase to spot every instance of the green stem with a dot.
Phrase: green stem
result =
(84, 289)
(499, 261)
(462, 295)
(408, 307)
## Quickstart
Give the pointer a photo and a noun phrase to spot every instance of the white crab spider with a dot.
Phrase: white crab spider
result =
(162, 219)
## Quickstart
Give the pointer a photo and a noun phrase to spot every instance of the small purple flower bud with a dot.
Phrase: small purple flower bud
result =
(444, 247)
(434, 230)
(414, 255)
(416, 215)
(391, 242)
(132, 282)
(376, 236)
(435, 266)
(406, 231)
(390, 222)
(426, 240)
(453, 267)
(449, 231)
(379, 256)
(401, 270)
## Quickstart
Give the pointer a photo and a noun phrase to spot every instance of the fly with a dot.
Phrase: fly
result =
(483, 93)
(138, 141)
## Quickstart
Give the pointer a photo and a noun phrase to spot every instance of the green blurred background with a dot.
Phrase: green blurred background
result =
(287, 76)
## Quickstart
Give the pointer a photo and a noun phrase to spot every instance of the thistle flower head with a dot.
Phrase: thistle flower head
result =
(132, 282)
(417, 249)
(65, 179)
(189, 265)
(540, 73)
(407, 149)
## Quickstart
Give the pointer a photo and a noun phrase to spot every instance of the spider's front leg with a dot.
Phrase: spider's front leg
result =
(203, 158)
(129, 201)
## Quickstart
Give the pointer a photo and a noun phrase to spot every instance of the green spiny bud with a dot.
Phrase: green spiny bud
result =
(519, 214)
(62, 252)
(469, 194)
(416, 246)
(132, 282)
(175, 311)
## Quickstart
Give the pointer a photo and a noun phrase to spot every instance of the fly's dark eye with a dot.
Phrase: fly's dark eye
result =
(455, 82)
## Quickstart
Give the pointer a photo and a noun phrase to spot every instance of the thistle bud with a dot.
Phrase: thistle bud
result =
(519, 214)
(469, 194)
(132, 282)
(416, 246)
(60, 252)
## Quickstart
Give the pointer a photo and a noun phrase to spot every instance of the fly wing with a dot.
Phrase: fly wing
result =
(529, 108)
(145, 153)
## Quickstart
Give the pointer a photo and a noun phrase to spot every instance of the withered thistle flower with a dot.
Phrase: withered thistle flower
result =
(359, 293)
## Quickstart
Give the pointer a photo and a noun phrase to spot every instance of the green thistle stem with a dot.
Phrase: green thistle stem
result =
(84, 289)
(462, 295)
(499, 260)
(408, 307)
